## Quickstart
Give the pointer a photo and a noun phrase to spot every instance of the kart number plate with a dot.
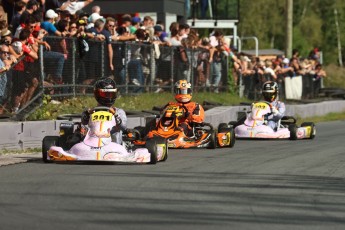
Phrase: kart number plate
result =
(260, 105)
(101, 116)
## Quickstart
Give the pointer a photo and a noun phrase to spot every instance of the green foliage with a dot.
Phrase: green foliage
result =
(145, 101)
(313, 25)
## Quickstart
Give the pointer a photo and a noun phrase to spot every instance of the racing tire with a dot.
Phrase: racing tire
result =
(165, 141)
(222, 126)
(313, 128)
(293, 131)
(48, 142)
(151, 146)
(213, 140)
(232, 135)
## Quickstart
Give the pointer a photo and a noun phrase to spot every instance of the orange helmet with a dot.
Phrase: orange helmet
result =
(183, 91)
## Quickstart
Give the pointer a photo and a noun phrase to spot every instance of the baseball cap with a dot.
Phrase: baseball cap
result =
(158, 28)
(17, 47)
(94, 17)
(136, 20)
(51, 14)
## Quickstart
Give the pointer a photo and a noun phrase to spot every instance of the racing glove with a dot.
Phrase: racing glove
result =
(118, 120)
(275, 111)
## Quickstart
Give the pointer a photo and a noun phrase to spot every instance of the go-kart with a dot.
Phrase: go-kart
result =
(97, 144)
(167, 127)
(253, 125)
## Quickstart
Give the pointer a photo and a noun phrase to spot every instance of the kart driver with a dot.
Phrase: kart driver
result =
(105, 93)
(194, 113)
(270, 94)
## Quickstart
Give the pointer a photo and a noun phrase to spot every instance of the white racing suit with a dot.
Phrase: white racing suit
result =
(116, 132)
(279, 108)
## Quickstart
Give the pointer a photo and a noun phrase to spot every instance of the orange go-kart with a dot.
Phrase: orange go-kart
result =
(167, 127)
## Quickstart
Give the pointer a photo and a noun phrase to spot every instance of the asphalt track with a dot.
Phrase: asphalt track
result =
(256, 185)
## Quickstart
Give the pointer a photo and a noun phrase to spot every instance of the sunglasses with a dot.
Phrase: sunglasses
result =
(111, 25)
(4, 52)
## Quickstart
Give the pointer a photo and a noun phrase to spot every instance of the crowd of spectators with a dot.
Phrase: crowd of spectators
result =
(277, 69)
(31, 21)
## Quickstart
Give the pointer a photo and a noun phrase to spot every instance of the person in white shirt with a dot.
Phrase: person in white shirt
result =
(74, 5)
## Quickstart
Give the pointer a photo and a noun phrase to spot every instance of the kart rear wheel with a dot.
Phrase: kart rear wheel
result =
(162, 141)
(222, 126)
(48, 142)
(313, 128)
(151, 146)
(166, 150)
(213, 140)
(293, 131)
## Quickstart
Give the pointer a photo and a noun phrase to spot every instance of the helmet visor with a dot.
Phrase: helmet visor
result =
(269, 96)
(106, 93)
(183, 91)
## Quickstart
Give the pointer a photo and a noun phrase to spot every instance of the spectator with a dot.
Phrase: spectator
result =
(269, 70)
(111, 25)
(319, 74)
(99, 34)
(135, 65)
(203, 63)
(5, 65)
(72, 29)
(148, 22)
(20, 89)
(203, 8)
(216, 41)
(135, 25)
(92, 19)
(31, 8)
(65, 15)
(19, 8)
(49, 26)
(74, 5)
(52, 5)
(63, 28)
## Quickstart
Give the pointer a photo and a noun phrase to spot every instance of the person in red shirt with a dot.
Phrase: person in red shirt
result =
(194, 112)
(21, 81)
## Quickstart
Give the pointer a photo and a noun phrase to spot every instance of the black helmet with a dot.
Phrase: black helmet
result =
(270, 91)
(105, 91)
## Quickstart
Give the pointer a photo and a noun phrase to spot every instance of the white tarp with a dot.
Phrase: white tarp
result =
(293, 87)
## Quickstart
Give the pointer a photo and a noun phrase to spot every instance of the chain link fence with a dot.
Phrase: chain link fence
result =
(70, 68)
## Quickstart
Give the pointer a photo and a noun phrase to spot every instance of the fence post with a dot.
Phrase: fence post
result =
(73, 67)
(41, 60)
(241, 86)
(103, 59)
(126, 65)
(172, 69)
(152, 67)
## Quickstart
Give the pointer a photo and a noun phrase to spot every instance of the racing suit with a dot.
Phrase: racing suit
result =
(194, 114)
(116, 132)
(278, 111)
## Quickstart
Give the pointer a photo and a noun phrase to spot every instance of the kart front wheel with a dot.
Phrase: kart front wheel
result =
(312, 127)
(293, 131)
(48, 142)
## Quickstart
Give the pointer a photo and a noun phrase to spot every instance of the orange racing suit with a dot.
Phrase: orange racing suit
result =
(195, 114)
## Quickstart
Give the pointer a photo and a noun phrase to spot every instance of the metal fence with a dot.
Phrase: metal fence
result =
(68, 70)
